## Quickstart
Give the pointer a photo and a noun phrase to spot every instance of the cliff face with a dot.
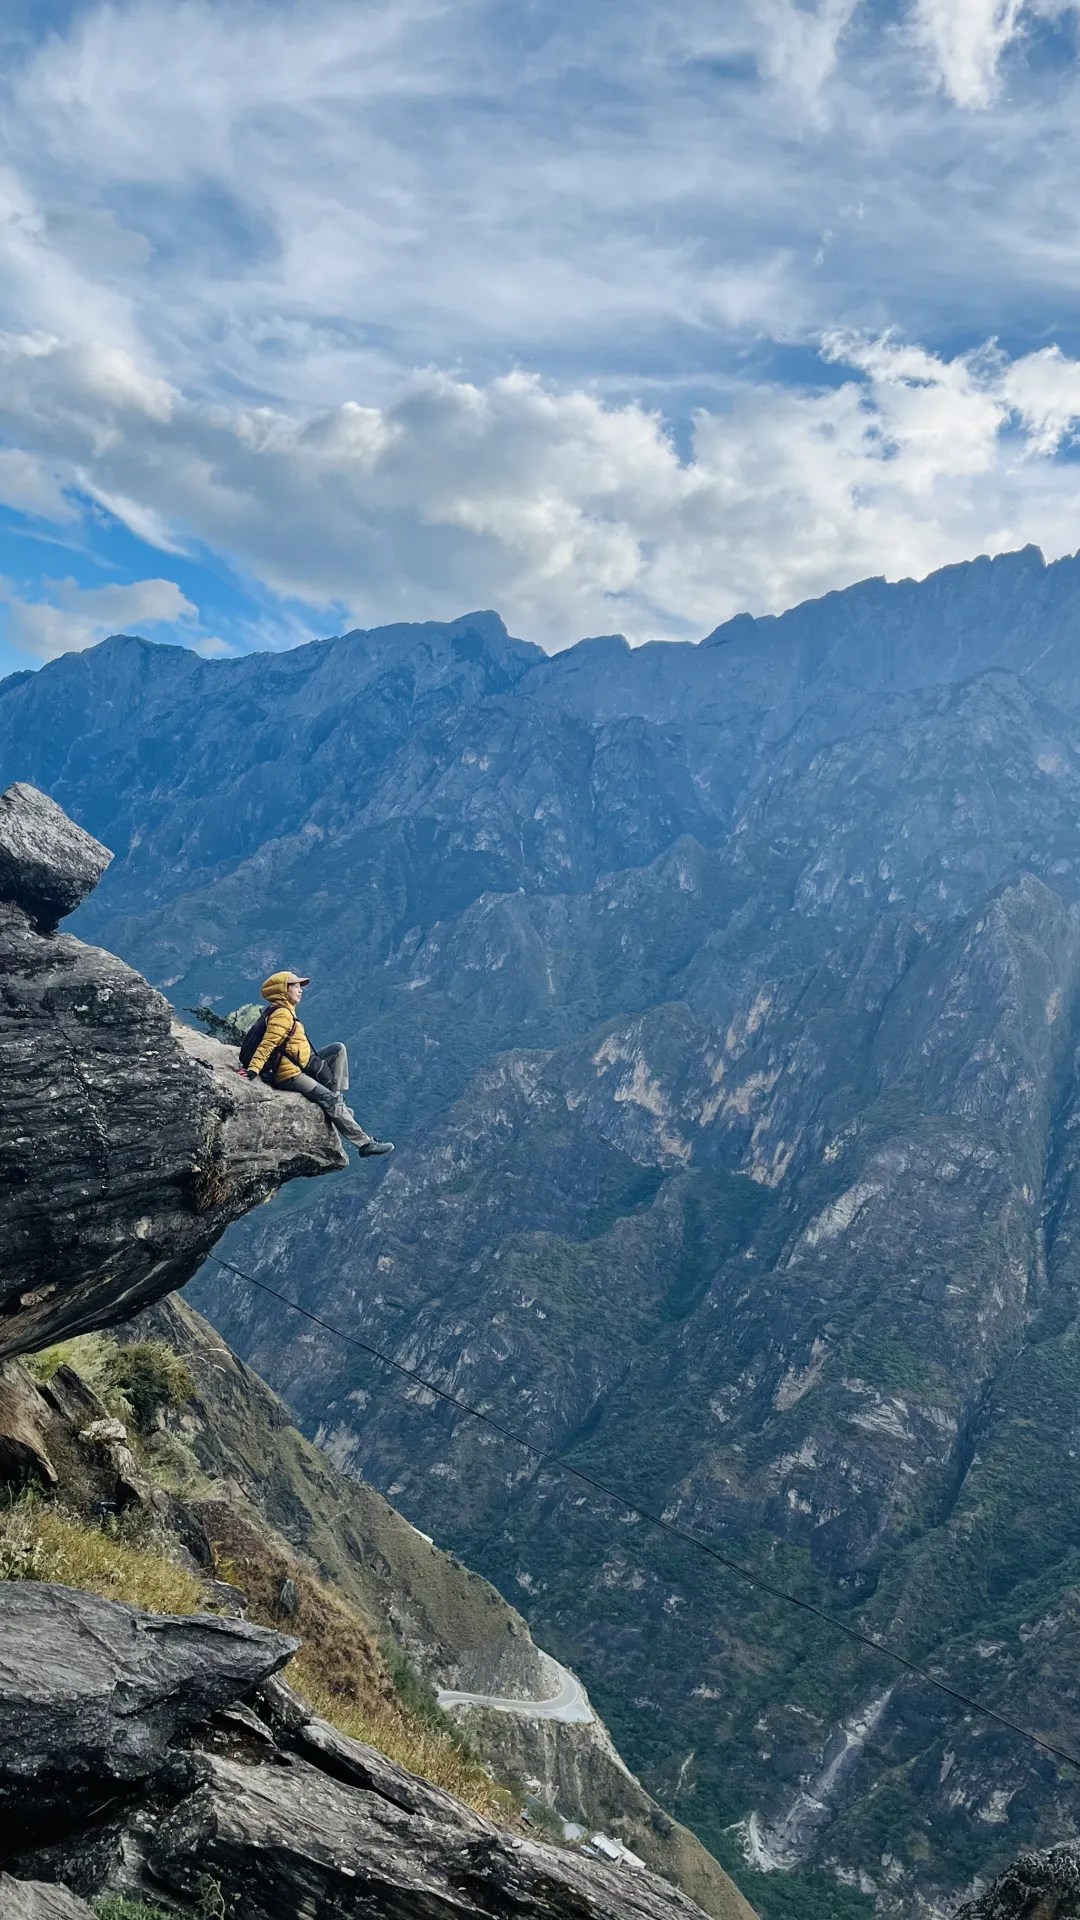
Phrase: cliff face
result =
(128, 1143)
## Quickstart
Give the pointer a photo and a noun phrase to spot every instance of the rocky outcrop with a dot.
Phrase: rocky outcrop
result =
(37, 1900)
(127, 1142)
(305, 1841)
(1038, 1886)
(129, 1763)
(47, 863)
(92, 1691)
(24, 1455)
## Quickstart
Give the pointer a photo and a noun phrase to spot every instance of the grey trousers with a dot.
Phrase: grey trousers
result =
(336, 1062)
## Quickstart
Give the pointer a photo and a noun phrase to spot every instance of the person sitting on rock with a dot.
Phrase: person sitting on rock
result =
(297, 1067)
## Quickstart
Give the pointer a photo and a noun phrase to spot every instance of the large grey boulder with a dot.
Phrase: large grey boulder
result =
(48, 865)
(93, 1691)
(37, 1900)
(113, 1777)
(1038, 1886)
(300, 1840)
(127, 1143)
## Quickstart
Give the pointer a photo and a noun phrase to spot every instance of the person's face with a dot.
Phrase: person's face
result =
(295, 992)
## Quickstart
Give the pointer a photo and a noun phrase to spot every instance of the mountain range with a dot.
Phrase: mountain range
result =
(723, 1002)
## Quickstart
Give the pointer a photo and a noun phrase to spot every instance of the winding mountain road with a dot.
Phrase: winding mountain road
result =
(569, 1703)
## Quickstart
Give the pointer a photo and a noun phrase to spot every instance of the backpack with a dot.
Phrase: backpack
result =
(252, 1041)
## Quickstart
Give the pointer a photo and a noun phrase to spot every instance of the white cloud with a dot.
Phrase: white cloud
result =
(230, 234)
(569, 513)
(309, 177)
(28, 486)
(300, 202)
(966, 40)
(70, 618)
(802, 43)
(1043, 389)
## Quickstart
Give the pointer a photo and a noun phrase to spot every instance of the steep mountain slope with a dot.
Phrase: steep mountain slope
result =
(724, 1000)
(127, 1146)
(455, 1629)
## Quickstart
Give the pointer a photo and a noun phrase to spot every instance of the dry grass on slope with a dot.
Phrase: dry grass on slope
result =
(341, 1671)
(43, 1542)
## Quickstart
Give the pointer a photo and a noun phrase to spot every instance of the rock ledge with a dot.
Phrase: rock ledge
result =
(127, 1143)
(283, 1813)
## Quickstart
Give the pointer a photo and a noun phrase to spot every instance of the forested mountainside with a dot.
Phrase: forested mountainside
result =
(723, 1002)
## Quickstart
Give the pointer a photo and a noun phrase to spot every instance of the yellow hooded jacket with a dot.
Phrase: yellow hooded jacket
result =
(298, 1049)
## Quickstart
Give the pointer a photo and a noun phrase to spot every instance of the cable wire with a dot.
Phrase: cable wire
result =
(545, 1457)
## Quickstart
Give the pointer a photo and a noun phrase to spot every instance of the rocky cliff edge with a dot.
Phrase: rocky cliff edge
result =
(141, 1753)
(129, 1142)
(160, 1757)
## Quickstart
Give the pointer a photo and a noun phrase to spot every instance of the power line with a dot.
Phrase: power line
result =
(548, 1459)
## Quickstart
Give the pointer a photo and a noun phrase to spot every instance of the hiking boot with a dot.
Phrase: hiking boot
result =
(372, 1147)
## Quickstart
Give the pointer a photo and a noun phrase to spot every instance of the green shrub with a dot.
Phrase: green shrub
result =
(93, 1357)
(151, 1376)
(174, 1465)
(119, 1906)
(116, 1906)
(544, 1820)
(229, 1027)
(134, 1382)
(418, 1698)
(218, 1025)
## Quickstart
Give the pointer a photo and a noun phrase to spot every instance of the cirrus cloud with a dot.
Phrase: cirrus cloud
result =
(967, 39)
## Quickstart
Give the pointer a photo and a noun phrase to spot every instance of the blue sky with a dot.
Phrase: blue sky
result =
(613, 317)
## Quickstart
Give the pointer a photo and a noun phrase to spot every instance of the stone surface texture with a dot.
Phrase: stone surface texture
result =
(92, 1690)
(128, 1142)
(1038, 1886)
(107, 1779)
(48, 865)
(37, 1900)
(305, 1841)
(24, 1454)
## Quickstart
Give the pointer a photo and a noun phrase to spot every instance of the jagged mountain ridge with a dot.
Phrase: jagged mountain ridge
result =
(728, 996)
